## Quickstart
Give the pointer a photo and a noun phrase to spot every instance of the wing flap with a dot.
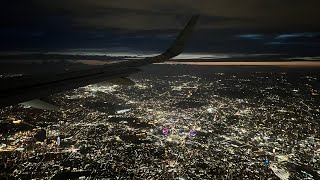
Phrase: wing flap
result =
(39, 104)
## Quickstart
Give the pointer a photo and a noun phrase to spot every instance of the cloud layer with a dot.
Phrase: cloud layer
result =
(155, 14)
(247, 26)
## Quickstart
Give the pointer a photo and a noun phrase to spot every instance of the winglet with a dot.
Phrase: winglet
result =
(175, 49)
(179, 43)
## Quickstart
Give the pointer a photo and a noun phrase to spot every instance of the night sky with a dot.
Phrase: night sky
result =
(288, 27)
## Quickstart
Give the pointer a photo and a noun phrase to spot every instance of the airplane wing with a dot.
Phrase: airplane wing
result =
(28, 89)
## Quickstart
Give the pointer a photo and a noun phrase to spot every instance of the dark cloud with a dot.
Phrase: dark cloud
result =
(297, 35)
(155, 14)
(250, 36)
(302, 39)
(254, 26)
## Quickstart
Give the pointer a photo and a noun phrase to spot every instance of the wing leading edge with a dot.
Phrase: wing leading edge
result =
(27, 89)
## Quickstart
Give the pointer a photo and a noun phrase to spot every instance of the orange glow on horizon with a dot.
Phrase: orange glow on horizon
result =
(286, 64)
